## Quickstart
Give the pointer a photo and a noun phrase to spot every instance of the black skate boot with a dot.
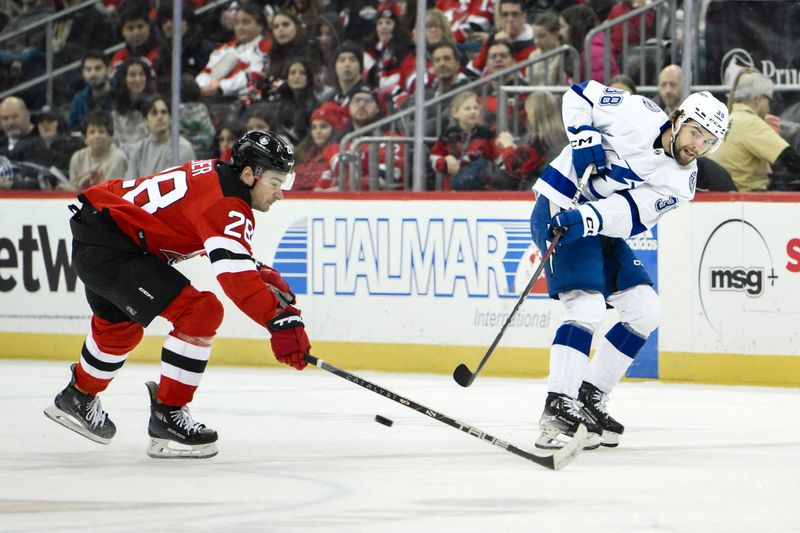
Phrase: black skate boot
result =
(594, 403)
(82, 413)
(175, 434)
(561, 417)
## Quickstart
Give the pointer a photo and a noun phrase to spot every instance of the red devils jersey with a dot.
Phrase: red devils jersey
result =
(199, 207)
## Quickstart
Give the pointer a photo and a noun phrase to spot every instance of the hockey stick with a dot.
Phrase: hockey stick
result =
(557, 461)
(462, 374)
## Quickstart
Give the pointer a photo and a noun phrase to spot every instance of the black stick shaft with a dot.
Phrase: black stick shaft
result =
(522, 298)
(462, 374)
(552, 462)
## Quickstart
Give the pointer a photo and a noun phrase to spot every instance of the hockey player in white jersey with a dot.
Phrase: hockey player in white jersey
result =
(645, 164)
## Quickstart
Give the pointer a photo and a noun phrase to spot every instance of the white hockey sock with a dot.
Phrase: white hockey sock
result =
(613, 357)
(569, 356)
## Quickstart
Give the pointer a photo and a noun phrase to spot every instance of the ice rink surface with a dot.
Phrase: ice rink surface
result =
(300, 452)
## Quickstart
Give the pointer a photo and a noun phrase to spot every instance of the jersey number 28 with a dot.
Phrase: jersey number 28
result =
(157, 192)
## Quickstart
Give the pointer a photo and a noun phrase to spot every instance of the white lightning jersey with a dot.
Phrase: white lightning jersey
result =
(642, 181)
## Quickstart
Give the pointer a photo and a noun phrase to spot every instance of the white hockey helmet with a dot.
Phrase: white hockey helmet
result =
(707, 111)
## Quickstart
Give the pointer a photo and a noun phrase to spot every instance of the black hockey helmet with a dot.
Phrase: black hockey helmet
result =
(263, 150)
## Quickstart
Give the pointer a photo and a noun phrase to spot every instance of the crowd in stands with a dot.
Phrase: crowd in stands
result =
(314, 70)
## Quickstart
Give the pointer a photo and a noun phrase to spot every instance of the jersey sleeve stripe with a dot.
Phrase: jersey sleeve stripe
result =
(228, 255)
(593, 191)
(558, 181)
(636, 222)
(220, 255)
(578, 88)
(213, 243)
(233, 266)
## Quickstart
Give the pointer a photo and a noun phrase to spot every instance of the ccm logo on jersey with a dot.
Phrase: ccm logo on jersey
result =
(665, 203)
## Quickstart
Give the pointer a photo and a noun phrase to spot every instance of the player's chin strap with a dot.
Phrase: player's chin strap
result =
(256, 176)
(675, 131)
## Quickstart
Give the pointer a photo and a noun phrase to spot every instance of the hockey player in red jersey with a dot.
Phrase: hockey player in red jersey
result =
(126, 236)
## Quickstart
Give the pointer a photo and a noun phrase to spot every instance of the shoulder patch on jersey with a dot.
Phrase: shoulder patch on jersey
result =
(693, 181)
(651, 105)
(662, 204)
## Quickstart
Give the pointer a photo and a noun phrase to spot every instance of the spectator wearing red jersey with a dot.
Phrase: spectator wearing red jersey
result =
(471, 20)
(511, 27)
(140, 38)
(236, 63)
(526, 159)
(634, 25)
(387, 48)
(364, 109)
(126, 237)
(437, 31)
(466, 152)
(328, 123)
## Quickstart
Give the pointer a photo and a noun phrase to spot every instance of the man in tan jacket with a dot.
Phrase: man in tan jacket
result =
(752, 144)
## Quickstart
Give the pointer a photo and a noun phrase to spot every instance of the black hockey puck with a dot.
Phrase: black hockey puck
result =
(383, 420)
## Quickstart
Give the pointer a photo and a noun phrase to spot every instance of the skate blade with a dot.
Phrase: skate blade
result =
(68, 421)
(554, 439)
(168, 449)
(609, 439)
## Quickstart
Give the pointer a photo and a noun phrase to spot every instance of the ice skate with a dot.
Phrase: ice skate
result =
(594, 404)
(82, 413)
(560, 420)
(175, 434)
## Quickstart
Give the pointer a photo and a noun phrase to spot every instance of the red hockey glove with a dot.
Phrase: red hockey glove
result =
(289, 340)
(283, 293)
